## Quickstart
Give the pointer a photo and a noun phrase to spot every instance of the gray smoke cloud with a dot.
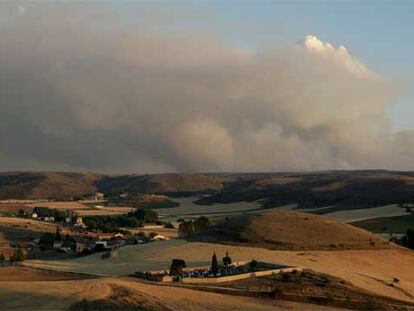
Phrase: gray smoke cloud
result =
(82, 89)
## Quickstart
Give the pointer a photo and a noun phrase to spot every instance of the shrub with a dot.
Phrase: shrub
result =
(168, 225)
(177, 266)
(18, 255)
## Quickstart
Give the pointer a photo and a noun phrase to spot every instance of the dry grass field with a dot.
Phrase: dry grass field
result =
(167, 232)
(105, 211)
(28, 224)
(72, 205)
(288, 230)
(372, 270)
(61, 291)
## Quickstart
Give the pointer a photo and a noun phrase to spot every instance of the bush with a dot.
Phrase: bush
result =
(18, 255)
(188, 227)
(152, 234)
(169, 225)
(177, 266)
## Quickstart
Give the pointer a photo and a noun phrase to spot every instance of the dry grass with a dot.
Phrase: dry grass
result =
(73, 205)
(19, 273)
(105, 211)
(288, 230)
(372, 270)
(112, 293)
(28, 224)
(169, 233)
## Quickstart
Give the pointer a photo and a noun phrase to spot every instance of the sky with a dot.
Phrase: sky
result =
(164, 86)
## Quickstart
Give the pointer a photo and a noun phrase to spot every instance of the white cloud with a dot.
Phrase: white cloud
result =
(340, 55)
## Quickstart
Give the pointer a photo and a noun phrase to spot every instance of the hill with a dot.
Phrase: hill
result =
(342, 189)
(287, 230)
(335, 189)
(172, 184)
(32, 289)
(66, 185)
(43, 185)
(372, 270)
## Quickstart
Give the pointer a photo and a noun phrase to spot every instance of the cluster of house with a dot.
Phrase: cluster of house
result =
(88, 244)
(71, 217)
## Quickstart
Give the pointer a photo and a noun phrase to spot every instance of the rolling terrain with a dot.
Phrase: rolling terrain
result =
(289, 238)
(288, 230)
(335, 189)
(61, 291)
(45, 185)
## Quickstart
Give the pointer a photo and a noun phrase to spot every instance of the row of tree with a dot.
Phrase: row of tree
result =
(133, 219)
(407, 240)
(18, 255)
(187, 228)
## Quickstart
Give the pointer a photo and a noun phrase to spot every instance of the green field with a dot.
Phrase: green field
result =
(396, 224)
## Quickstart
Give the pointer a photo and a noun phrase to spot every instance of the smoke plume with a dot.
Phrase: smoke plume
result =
(82, 89)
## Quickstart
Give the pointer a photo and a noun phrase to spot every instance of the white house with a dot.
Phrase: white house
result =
(159, 237)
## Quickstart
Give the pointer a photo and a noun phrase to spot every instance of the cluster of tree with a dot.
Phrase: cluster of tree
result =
(407, 240)
(112, 223)
(48, 238)
(188, 227)
(18, 255)
(177, 266)
(42, 211)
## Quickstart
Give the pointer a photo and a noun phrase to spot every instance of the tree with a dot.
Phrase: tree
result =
(152, 235)
(410, 238)
(47, 239)
(91, 224)
(201, 223)
(227, 260)
(148, 216)
(214, 264)
(186, 229)
(169, 225)
(253, 265)
(2, 258)
(177, 266)
(18, 255)
(58, 236)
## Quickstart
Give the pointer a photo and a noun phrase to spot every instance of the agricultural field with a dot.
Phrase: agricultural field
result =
(387, 225)
(60, 291)
(372, 270)
(104, 211)
(353, 215)
(217, 211)
(62, 205)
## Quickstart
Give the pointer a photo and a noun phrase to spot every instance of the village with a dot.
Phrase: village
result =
(65, 232)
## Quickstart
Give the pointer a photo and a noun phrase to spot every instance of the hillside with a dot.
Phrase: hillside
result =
(32, 289)
(342, 189)
(372, 270)
(178, 184)
(64, 185)
(287, 230)
(335, 189)
(43, 185)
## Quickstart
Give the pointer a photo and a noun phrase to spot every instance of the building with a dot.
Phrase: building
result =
(159, 237)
